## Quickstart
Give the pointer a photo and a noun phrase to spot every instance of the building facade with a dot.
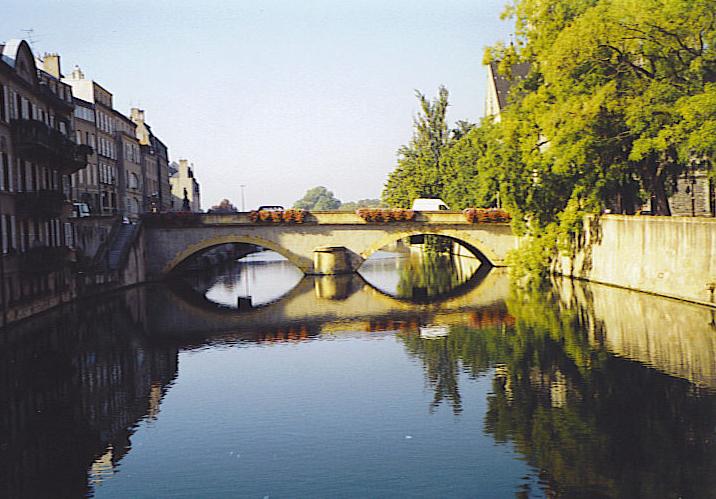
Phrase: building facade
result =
(130, 169)
(499, 85)
(38, 155)
(165, 188)
(185, 189)
(106, 147)
(85, 183)
(129, 174)
(151, 162)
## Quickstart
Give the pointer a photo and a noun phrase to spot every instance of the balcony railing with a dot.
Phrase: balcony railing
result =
(41, 204)
(37, 141)
(54, 98)
(44, 259)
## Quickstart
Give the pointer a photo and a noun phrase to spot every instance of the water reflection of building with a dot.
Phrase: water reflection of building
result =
(674, 337)
(72, 388)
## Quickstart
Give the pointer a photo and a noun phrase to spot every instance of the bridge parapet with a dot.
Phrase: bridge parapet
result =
(313, 217)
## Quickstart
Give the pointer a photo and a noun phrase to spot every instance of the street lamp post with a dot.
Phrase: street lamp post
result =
(243, 204)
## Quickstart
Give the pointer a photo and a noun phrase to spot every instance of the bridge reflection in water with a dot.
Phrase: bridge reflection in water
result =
(316, 301)
(607, 392)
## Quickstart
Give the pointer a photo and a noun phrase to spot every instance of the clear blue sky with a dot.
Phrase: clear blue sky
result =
(278, 95)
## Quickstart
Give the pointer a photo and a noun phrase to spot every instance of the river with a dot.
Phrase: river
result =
(424, 376)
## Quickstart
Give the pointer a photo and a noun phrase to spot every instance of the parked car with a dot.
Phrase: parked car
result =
(425, 204)
(80, 210)
(270, 208)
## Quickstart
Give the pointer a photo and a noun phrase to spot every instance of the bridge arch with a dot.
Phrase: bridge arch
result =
(481, 250)
(302, 263)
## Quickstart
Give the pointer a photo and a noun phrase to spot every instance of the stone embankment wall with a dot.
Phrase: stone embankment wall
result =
(669, 256)
(134, 270)
(91, 233)
(82, 277)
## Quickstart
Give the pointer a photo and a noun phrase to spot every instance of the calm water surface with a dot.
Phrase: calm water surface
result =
(423, 377)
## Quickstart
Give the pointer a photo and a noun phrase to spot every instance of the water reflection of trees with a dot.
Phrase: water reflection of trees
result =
(469, 348)
(432, 274)
(73, 385)
(596, 425)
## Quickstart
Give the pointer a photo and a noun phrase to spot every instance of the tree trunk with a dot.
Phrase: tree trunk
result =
(626, 200)
(659, 199)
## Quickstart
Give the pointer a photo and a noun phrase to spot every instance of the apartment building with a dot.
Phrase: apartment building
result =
(106, 147)
(132, 182)
(185, 188)
(155, 160)
(85, 183)
(165, 190)
(38, 154)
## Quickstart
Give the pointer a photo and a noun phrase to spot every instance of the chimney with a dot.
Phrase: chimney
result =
(77, 74)
(51, 64)
(137, 115)
(184, 168)
(141, 132)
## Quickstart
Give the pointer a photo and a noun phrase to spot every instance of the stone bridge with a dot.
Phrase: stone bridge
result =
(326, 243)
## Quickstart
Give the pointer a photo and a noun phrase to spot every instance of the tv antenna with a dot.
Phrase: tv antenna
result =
(30, 37)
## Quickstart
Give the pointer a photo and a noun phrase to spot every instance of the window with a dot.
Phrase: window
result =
(13, 232)
(84, 113)
(5, 174)
(4, 230)
(3, 111)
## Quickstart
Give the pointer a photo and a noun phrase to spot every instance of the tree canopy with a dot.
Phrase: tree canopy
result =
(361, 203)
(419, 173)
(224, 206)
(619, 101)
(318, 198)
(614, 91)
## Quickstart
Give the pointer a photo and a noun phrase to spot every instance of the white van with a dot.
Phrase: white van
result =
(425, 204)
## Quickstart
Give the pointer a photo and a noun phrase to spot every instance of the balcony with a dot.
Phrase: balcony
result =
(40, 204)
(55, 99)
(36, 141)
(44, 259)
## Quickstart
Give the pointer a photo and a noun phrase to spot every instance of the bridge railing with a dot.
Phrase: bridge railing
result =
(179, 219)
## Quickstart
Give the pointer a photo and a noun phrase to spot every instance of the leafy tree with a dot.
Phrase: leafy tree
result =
(362, 203)
(224, 206)
(318, 198)
(419, 173)
(471, 165)
(612, 90)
